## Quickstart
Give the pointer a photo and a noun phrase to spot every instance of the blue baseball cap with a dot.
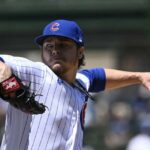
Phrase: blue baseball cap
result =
(63, 28)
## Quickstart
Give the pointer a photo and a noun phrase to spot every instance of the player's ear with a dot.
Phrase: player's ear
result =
(81, 51)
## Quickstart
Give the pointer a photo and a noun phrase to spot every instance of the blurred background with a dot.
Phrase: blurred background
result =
(117, 35)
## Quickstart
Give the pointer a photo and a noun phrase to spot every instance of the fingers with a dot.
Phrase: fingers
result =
(145, 79)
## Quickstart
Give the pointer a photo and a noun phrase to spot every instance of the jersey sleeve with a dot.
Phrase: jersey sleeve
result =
(95, 79)
(25, 69)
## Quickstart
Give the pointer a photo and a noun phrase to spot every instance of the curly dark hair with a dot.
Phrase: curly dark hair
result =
(82, 60)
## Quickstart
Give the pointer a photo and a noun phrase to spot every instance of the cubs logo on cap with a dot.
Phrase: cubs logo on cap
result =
(62, 28)
(54, 26)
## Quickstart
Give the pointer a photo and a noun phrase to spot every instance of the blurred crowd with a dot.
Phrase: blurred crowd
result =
(125, 124)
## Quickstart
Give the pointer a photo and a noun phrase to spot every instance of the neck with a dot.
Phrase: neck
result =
(69, 77)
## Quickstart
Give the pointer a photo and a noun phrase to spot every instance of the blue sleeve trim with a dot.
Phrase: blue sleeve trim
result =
(1, 59)
(97, 79)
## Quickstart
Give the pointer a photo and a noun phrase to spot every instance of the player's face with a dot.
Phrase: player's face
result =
(61, 55)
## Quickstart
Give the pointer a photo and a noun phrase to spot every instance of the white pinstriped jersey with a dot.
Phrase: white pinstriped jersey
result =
(59, 128)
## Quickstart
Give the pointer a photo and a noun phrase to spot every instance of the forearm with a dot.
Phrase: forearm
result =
(117, 79)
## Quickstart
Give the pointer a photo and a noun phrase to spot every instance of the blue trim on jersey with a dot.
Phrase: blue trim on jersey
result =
(1, 59)
(82, 115)
(81, 84)
(97, 78)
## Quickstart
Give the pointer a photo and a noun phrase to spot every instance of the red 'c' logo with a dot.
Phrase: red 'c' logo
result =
(55, 26)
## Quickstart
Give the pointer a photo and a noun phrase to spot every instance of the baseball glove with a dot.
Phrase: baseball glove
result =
(18, 95)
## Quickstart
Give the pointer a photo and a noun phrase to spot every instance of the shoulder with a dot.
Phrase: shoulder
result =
(9, 59)
(20, 61)
(83, 79)
(95, 78)
(93, 73)
(24, 65)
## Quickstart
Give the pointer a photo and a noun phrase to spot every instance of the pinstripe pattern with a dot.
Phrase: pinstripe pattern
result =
(59, 127)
